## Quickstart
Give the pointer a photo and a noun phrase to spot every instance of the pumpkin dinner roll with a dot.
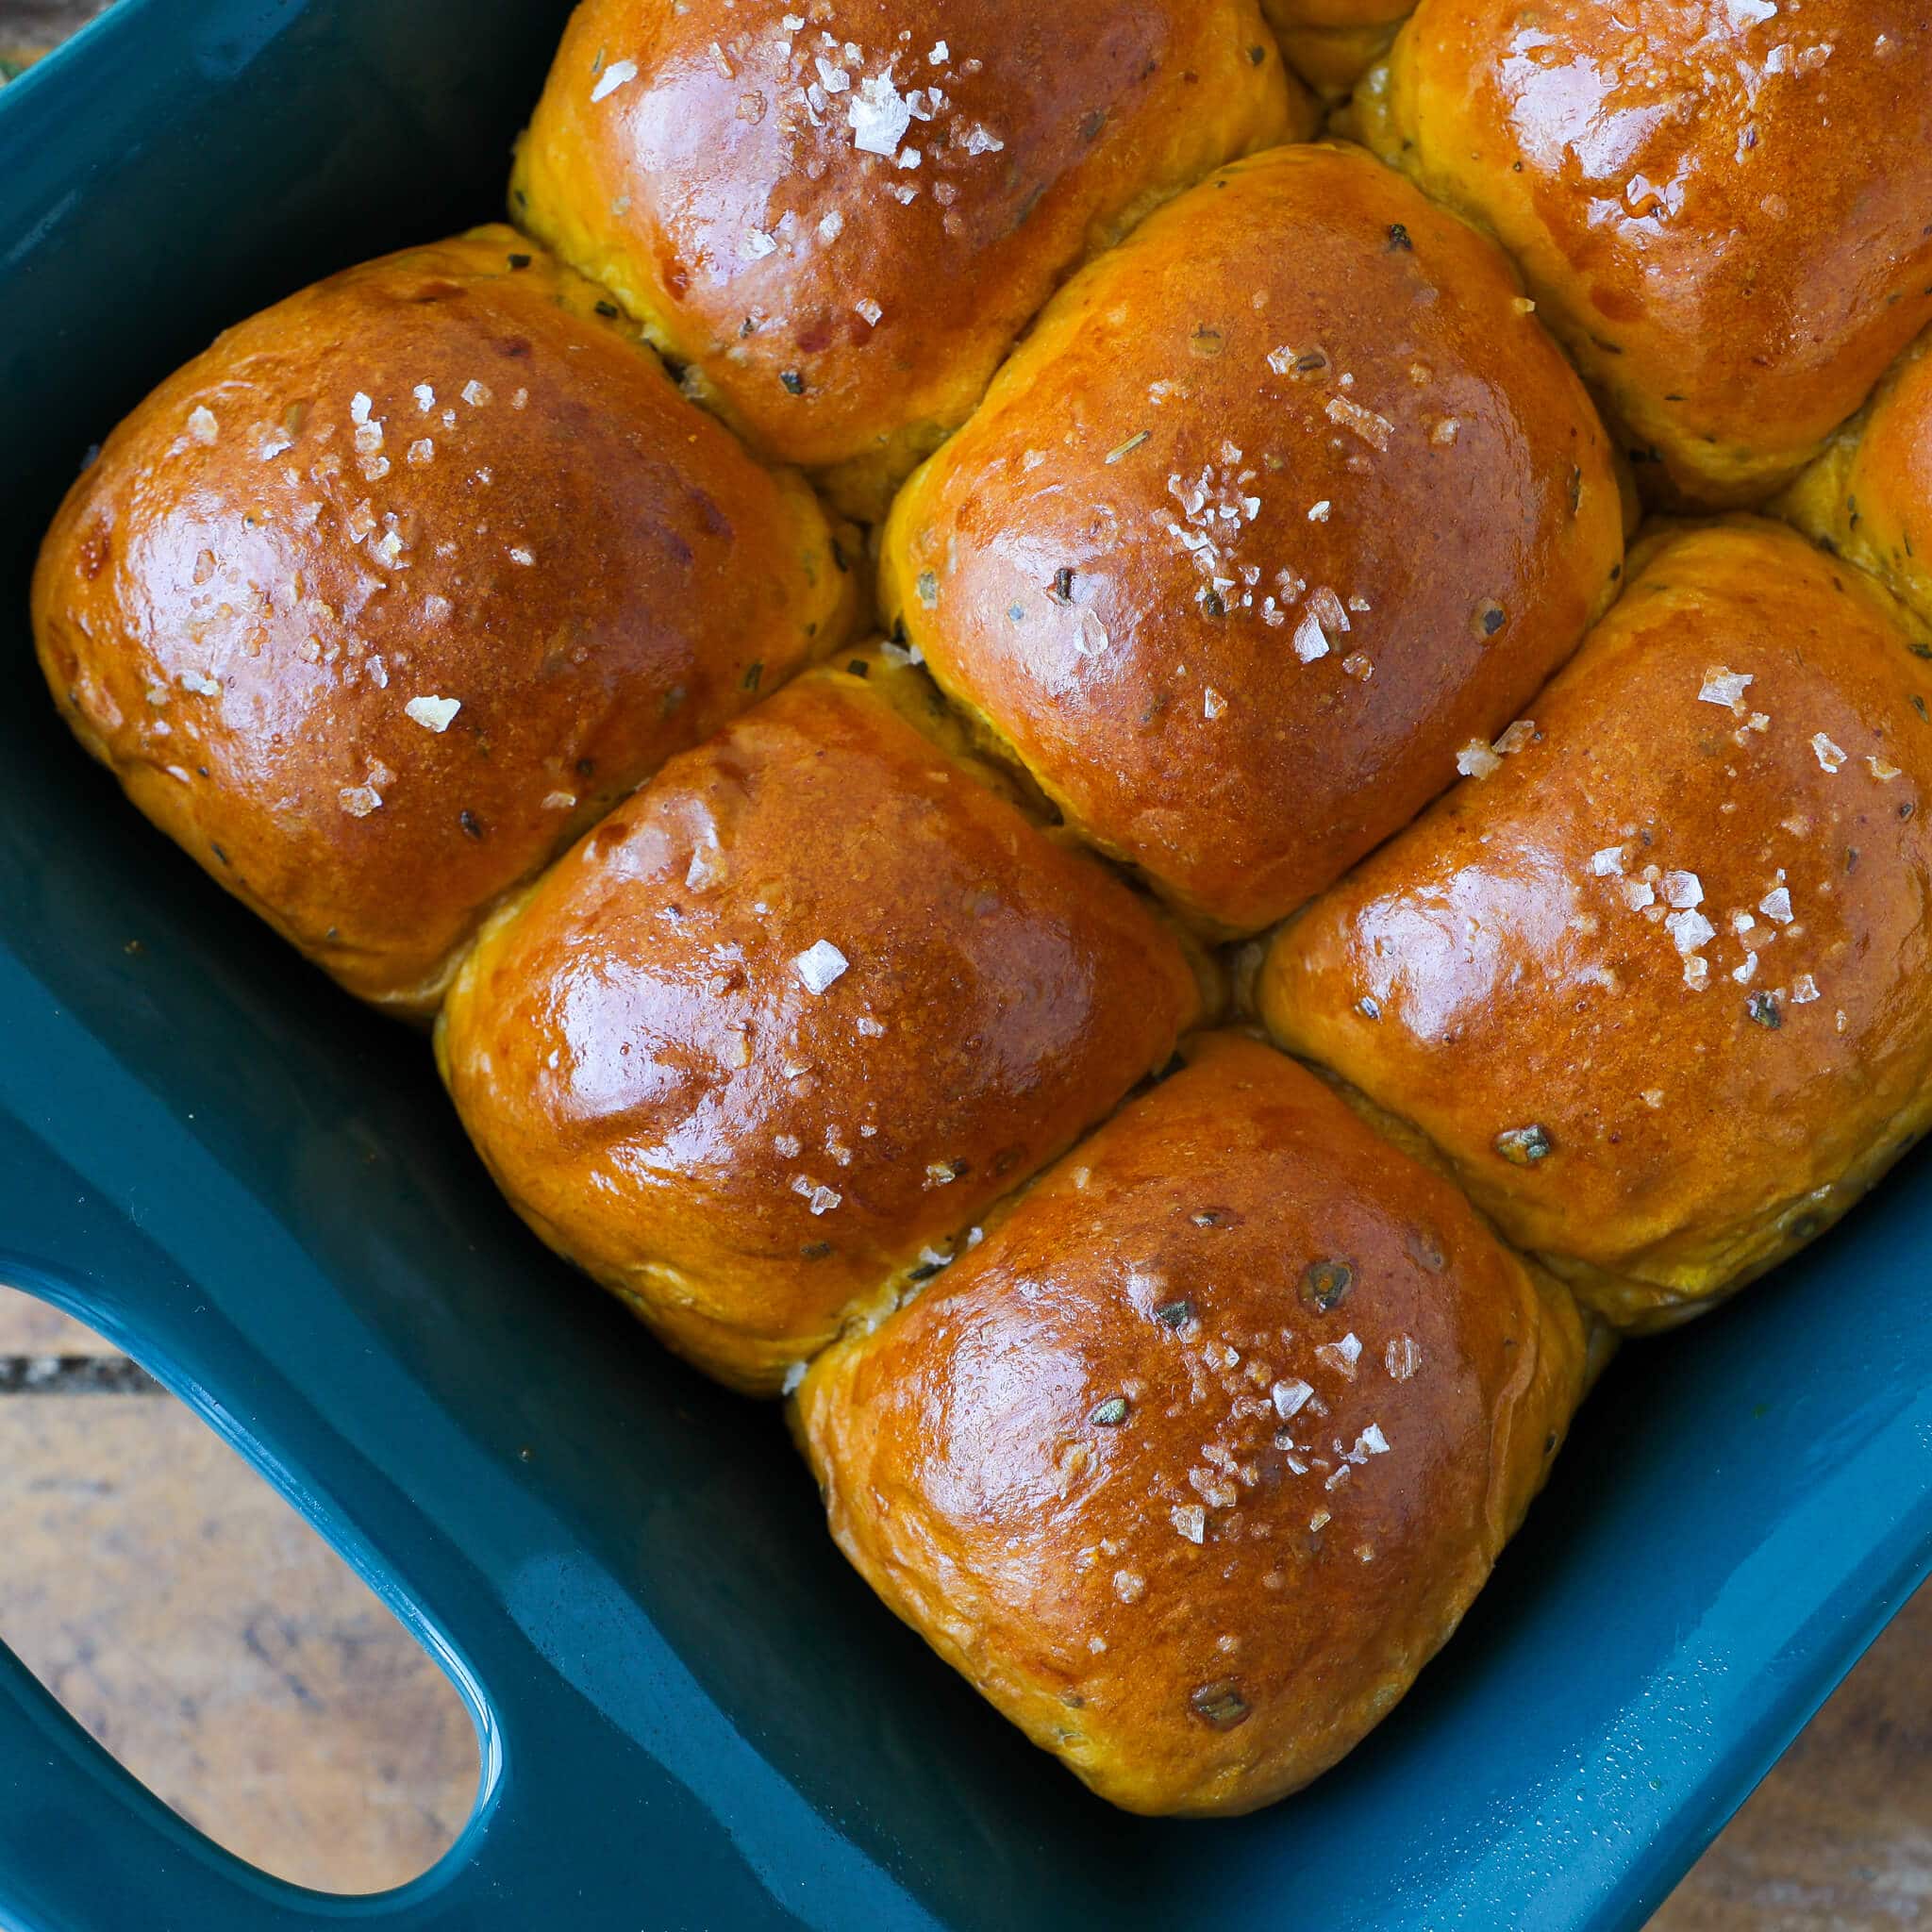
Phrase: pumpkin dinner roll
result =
(1868, 496)
(1281, 503)
(1200, 1456)
(1659, 983)
(376, 605)
(840, 216)
(1724, 206)
(770, 1039)
(1329, 43)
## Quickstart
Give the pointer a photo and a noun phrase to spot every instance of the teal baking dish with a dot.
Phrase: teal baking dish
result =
(693, 1713)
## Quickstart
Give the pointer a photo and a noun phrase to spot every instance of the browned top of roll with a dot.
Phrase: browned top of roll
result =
(1659, 986)
(1868, 497)
(377, 602)
(1199, 1457)
(806, 1004)
(843, 217)
(1727, 210)
(1281, 503)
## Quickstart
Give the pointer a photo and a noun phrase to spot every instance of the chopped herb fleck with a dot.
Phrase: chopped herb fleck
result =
(1369, 1007)
(1062, 592)
(472, 824)
(1575, 490)
(1129, 447)
(859, 668)
(1325, 1284)
(608, 310)
(1762, 1007)
(1398, 239)
(753, 674)
(1257, 56)
(1525, 1146)
(1220, 1704)
(1215, 1217)
(520, 261)
(1489, 618)
(929, 589)
(1174, 1314)
(1206, 343)
(793, 381)
(1112, 1413)
(815, 1251)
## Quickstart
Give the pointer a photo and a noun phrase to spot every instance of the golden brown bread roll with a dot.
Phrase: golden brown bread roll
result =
(1280, 504)
(842, 218)
(377, 603)
(1868, 496)
(1661, 987)
(1198, 1458)
(1329, 43)
(1725, 210)
(784, 1026)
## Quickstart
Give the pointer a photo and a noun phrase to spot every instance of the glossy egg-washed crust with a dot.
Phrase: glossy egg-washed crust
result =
(1519, 974)
(1725, 211)
(244, 592)
(1304, 332)
(1330, 42)
(719, 188)
(1198, 1458)
(1868, 496)
(748, 1162)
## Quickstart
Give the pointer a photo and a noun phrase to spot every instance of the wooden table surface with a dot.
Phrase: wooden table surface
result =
(203, 1632)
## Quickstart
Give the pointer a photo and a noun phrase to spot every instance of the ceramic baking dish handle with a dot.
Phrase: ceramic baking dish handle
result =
(84, 1846)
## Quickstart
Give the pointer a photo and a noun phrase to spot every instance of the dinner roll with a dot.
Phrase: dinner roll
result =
(1328, 42)
(1660, 986)
(1280, 504)
(1725, 210)
(377, 603)
(1868, 496)
(841, 218)
(1199, 1457)
(777, 1034)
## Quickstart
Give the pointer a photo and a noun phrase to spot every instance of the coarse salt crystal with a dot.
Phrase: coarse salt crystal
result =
(1310, 641)
(201, 424)
(358, 801)
(519, 555)
(1689, 931)
(1722, 686)
(1804, 990)
(1829, 756)
(1401, 1357)
(1884, 773)
(1191, 1520)
(1476, 760)
(820, 965)
(1288, 1398)
(1520, 734)
(1776, 905)
(475, 394)
(1340, 1356)
(559, 801)
(1318, 514)
(1683, 889)
(869, 311)
(879, 115)
(614, 77)
(1607, 863)
(1373, 431)
(426, 397)
(1372, 1441)
(433, 713)
(1212, 703)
